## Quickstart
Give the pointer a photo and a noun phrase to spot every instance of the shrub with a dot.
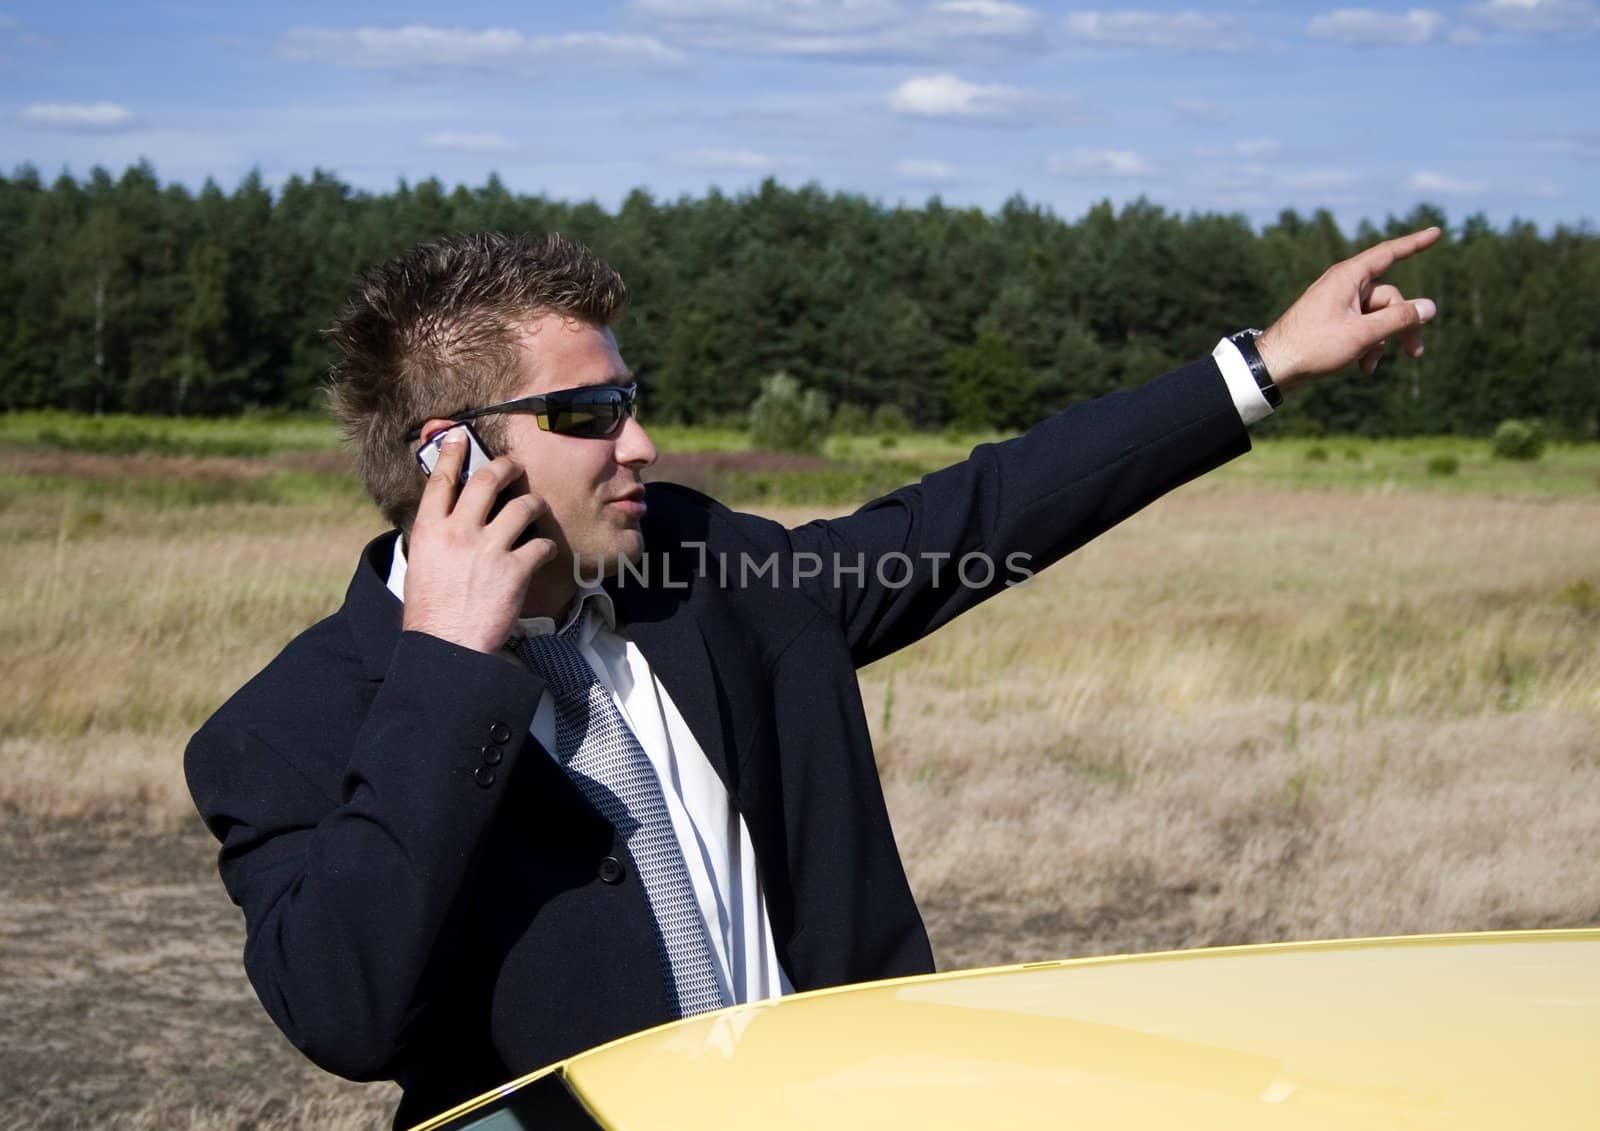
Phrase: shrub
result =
(890, 418)
(1444, 465)
(787, 417)
(851, 419)
(1317, 455)
(1518, 439)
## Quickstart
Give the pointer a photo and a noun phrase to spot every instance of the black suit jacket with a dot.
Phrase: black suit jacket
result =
(420, 881)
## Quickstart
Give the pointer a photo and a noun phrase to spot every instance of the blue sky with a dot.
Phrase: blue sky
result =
(1248, 107)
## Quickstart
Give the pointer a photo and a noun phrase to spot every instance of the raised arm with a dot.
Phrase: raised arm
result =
(891, 572)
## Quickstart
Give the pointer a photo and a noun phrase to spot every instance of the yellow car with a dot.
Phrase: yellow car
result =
(1462, 1032)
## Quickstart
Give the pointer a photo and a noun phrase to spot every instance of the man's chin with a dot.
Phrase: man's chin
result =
(609, 562)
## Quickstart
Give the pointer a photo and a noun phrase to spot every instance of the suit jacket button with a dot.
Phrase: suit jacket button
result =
(499, 734)
(491, 755)
(611, 871)
(484, 776)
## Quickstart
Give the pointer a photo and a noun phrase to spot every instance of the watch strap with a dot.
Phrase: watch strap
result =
(1245, 342)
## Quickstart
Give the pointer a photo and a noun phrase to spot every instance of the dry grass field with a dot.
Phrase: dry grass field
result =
(1254, 712)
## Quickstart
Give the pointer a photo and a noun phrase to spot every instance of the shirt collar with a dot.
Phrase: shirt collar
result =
(599, 603)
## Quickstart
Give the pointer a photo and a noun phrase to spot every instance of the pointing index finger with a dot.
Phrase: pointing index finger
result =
(1380, 257)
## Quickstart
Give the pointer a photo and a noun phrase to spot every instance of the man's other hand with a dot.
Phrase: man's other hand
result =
(465, 575)
(1347, 315)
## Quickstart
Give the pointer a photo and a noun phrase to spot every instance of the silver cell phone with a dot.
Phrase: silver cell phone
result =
(477, 456)
(428, 454)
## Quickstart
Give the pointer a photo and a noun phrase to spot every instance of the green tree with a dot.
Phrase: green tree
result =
(988, 385)
(787, 417)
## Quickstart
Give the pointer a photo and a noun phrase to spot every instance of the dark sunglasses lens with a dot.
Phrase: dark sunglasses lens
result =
(595, 413)
(586, 420)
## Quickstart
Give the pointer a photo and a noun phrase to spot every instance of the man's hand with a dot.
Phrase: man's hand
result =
(1347, 315)
(464, 580)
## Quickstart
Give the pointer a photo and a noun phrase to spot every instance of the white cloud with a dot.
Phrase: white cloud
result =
(946, 96)
(1318, 179)
(988, 17)
(848, 28)
(1180, 31)
(913, 170)
(1100, 162)
(1364, 27)
(1245, 147)
(1438, 182)
(418, 47)
(1464, 37)
(77, 115)
(727, 159)
(1539, 17)
(1200, 110)
(468, 142)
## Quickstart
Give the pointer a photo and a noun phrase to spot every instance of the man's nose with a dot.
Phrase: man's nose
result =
(634, 446)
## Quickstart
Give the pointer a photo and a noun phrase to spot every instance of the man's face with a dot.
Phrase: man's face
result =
(592, 486)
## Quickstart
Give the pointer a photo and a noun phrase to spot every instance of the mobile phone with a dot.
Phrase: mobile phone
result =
(428, 454)
(477, 456)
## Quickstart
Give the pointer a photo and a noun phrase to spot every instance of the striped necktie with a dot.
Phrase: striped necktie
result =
(600, 753)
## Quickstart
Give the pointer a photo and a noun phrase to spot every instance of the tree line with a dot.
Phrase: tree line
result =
(118, 293)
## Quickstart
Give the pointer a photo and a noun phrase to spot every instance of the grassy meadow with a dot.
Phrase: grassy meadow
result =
(1325, 691)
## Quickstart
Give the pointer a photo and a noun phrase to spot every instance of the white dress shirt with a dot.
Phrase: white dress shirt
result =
(1247, 395)
(715, 841)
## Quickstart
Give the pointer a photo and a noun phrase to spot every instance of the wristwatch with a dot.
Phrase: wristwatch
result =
(1245, 342)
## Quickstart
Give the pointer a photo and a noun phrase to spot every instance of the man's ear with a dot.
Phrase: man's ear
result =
(433, 426)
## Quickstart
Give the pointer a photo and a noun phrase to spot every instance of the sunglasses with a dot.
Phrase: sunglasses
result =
(591, 411)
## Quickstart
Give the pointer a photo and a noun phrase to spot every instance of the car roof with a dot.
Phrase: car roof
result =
(1459, 1031)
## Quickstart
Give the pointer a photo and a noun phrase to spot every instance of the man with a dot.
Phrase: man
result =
(522, 795)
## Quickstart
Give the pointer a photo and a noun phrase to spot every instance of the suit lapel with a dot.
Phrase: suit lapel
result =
(672, 641)
(371, 611)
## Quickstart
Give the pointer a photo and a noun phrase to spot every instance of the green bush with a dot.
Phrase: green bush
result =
(787, 417)
(851, 419)
(1444, 465)
(1317, 455)
(1518, 439)
(890, 418)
